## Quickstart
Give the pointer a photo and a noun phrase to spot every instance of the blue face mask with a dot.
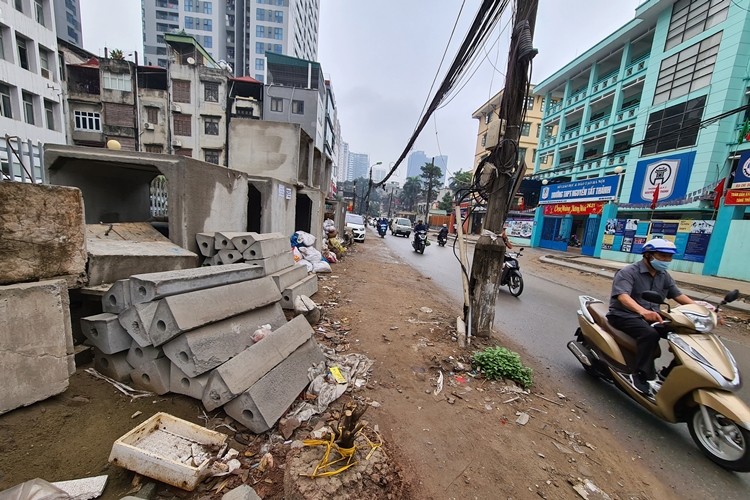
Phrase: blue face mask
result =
(659, 265)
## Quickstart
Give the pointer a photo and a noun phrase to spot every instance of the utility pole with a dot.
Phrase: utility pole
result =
(429, 192)
(490, 249)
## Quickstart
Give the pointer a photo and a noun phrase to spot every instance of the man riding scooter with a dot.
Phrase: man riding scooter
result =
(442, 236)
(629, 312)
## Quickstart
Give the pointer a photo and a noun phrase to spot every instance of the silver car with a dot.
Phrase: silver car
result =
(401, 225)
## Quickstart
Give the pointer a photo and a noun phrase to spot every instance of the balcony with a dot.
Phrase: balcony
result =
(548, 142)
(606, 82)
(637, 67)
(593, 126)
(570, 134)
(577, 97)
(626, 114)
(554, 108)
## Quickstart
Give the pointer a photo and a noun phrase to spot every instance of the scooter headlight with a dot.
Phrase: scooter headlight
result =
(703, 323)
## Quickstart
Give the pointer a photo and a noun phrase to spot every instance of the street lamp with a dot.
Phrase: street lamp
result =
(545, 182)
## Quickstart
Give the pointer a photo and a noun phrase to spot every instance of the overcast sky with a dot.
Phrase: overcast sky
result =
(382, 57)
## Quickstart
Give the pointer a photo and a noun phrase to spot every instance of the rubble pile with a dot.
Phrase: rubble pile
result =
(214, 333)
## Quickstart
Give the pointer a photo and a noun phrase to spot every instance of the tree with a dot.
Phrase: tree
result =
(431, 175)
(460, 180)
(117, 55)
(411, 192)
(446, 203)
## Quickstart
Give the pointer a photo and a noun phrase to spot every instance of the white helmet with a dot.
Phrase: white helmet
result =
(659, 245)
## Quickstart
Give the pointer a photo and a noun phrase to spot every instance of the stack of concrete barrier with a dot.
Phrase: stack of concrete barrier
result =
(186, 331)
(270, 251)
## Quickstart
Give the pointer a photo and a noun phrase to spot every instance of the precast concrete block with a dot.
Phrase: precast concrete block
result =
(153, 286)
(206, 347)
(289, 276)
(206, 244)
(223, 240)
(36, 342)
(259, 407)
(276, 263)
(114, 366)
(136, 320)
(306, 286)
(139, 356)
(105, 333)
(230, 256)
(153, 376)
(267, 247)
(243, 240)
(117, 298)
(238, 374)
(177, 314)
(181, 383)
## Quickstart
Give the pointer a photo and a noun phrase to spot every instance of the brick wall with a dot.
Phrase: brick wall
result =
(118, 114)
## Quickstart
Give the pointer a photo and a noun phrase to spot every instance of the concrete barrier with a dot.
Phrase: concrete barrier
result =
(117, 298)
(136, 320)
(306, 286)
(105, 333)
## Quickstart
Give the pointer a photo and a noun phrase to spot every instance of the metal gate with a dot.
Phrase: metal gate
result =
(552, 237)
(590, 234)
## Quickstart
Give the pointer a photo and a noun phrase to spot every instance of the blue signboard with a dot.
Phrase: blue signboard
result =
(598, 189)
(742, 174)
(670, 173)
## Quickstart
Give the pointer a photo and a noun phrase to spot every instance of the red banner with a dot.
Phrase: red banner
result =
(737, 197)
(587, 208)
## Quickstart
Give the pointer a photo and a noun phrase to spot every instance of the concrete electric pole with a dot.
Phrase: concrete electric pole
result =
(500, 169)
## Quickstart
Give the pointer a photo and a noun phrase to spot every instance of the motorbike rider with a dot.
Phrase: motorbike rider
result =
(382, 220)
(420, 226)
(633, 315)
(443, 234)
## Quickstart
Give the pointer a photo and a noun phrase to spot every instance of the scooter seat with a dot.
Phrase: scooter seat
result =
(599, 311)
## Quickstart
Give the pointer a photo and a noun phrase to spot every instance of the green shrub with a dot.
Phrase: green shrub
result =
(499, 362)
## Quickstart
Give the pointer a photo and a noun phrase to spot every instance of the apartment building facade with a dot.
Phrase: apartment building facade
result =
(239, 32)
(31, 112)
(643, 134)
(68, 21)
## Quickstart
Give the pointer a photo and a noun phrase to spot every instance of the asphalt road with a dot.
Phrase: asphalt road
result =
(543, 320)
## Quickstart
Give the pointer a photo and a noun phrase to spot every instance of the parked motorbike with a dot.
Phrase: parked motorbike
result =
(697, 387)
(420, 241)
(511, 274)
(382, 229)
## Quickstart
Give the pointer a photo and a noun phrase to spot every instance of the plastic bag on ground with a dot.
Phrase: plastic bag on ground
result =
(307, 264)
(34, 489)
(321, 267)
(305, 239)
(311, 254)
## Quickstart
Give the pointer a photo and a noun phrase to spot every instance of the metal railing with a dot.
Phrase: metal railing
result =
(159, 197)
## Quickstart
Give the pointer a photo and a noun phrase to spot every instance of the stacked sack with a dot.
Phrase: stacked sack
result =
(194, 332)
(306, 254)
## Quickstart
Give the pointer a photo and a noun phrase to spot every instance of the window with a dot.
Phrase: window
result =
(28, 107)
(260, 31)
(207, 8)
(23, 55)
(260, 77)
(298, 107)
(533, 155)
(538, 129)
(278, 16)
(693, 17)
(530, 102)
(526, 129)
(211, 91)
(161, 51)
(189, 22)
(71, 5)
(154, 148)
(277, 104)
(87, 121)
(521, 154)
(260, 14)
(184, 152)
(208, 42)
(259, 64)
(49, 113)
(484, 140)
(117, 81)
(19, 5)
(44, 63)
(688, 70)
(212, 155)
(183, 125)
(211, 125)
(278, 33)
(5, 109)
(152, 115)
(260, 48)
(72, 34)
(39, 11)
(487, 118)
(2, 43)
(674, 127)
(278, 48)
(181, 90)
(207, 25)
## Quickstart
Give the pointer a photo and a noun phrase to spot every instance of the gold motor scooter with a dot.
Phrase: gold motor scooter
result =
(696, 388)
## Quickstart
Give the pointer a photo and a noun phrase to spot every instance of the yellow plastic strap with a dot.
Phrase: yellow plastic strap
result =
(344, 454)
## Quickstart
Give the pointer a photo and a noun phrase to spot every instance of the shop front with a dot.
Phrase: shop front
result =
(571, 213)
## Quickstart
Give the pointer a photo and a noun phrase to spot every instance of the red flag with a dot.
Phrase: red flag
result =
(719, 190)
(655, 199)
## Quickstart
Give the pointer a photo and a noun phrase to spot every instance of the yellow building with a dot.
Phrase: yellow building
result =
(531, 130)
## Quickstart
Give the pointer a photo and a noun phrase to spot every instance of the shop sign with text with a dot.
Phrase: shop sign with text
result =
(737, 197)
(592, 207)
(598, 189)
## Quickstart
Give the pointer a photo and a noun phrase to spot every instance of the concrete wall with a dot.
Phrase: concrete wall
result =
(36, 343)
(277, 211)
(43, 233)
(265, 149)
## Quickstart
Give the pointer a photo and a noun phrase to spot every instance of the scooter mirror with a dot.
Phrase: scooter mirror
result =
(732, 296)
(653, 297)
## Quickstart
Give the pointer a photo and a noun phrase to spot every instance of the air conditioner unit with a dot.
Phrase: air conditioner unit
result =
(176, 108)
(148, 126)
(176, 143)
(46, 73)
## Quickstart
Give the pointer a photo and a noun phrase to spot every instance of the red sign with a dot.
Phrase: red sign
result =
(737, 197)
(587, 208)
